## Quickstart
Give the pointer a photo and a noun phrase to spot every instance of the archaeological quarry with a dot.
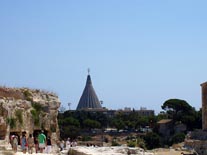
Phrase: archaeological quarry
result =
(29, 111)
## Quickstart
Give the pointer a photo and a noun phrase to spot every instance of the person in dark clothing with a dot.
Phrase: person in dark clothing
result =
(36, 144)
(49, 145)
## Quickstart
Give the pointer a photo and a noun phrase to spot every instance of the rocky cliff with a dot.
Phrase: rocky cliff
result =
(28, 110)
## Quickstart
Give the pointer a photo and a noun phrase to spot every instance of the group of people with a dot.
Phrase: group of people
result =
(40, 143)
(67, 144)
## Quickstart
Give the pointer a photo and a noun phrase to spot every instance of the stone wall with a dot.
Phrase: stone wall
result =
(197, 140)
(27, 110)
(204, 105)
(200, 146)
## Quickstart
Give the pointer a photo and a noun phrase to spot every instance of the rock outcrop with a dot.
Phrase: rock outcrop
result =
(28, 110)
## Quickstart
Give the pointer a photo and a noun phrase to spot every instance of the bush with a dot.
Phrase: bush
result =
(38, 107)
(131, 143)
(141, 143)
(27, 95)
(115, 143)
(177, 138)
(91, 124)
(152, 140)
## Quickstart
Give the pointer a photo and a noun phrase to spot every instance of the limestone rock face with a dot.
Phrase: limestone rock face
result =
(28, 110)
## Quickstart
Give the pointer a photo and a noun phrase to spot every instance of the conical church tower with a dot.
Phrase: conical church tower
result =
(89, 99)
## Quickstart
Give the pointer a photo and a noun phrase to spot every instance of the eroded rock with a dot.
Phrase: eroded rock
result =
(27, 110)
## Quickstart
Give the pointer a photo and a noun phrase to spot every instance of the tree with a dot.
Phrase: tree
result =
(152, 140)
(198, 118)
(161, 115)
(181, 111)
(119, 124)
(71, 121)
(176, 108)
(91, 124)
(69, 131)
(69, 126)
(141, 122)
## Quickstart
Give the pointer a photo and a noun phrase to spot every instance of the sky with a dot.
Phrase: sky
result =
(140, 52)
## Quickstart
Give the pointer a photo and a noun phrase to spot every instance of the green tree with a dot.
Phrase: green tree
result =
(161, 116)
(175, 108)
(198, 119)
(91, 124)
(69, 131)
(119, 124)
(152, 140)
(181, 111)
(142, 121)
(71, 121)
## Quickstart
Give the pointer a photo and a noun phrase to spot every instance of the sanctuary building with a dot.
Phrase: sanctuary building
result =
(89, 102)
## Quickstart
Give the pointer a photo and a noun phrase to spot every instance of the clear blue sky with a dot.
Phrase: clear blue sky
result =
(140, 52)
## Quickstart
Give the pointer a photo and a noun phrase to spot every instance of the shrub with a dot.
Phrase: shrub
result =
(35, 117)
(12, 122)
(178, 137)
(19, 116)
(131, 143)
(27, 95)
(38, 107)
(152, 140)
(141, 143)
(115, 143)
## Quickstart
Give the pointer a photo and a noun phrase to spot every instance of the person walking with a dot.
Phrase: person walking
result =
(24, 143)
(15, 143)
(30, 142)
(68, 144)
(36, 144)
(49, 145)
(62, 145)
(41, 140)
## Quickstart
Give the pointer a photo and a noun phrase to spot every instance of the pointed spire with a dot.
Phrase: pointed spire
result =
(89, 98)
(88, 71)
(88, 81)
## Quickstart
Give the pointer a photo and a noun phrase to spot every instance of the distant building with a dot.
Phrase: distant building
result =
(89, 99)
(90, 102)
(165, 127)
(141, 112)
(145, 112)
